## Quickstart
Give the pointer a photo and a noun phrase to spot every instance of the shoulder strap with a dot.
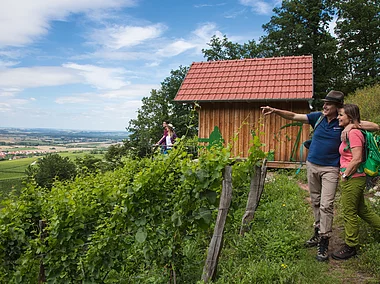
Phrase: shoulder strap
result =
(319, 120)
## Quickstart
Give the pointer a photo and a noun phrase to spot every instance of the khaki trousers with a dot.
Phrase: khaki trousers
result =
(322, 181)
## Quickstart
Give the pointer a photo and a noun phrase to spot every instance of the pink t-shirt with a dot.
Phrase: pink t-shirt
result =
(356, 140)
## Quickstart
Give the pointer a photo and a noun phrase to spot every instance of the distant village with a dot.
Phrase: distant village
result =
(19, 154)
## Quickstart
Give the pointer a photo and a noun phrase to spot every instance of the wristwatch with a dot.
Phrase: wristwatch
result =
(344, 176)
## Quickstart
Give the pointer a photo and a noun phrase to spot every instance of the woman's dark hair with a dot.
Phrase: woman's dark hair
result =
(352, 111)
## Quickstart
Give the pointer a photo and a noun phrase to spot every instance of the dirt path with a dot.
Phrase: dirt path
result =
(336, 242)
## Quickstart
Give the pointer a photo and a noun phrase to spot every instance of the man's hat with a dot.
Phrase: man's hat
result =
(335, 97)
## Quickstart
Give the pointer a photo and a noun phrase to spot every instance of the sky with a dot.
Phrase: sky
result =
(86, 64)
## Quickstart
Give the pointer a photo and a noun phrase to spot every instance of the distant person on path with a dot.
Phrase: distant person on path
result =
(322, 163)
(162, 140)
(352, 183)
(168, 139)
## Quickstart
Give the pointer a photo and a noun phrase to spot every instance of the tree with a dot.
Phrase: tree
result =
(358, 31)
(115, 154)
(300, 27)
(223, 49)
(90, 164)
(146, 129)
(50, 168)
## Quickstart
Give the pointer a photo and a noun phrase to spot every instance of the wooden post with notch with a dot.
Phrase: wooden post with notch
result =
(215, 247)
(255, 191)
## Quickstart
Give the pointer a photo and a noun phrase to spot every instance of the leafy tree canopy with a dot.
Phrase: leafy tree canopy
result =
(223, 49)
(301, 28)
(358, 31)
(50, 168)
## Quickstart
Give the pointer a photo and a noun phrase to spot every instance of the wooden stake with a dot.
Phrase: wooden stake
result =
(215, 247)
(255, 191)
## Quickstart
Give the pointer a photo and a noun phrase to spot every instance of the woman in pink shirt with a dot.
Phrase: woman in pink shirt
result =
(352, 183)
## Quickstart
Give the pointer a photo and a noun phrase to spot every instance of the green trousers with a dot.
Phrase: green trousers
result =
(354, 206)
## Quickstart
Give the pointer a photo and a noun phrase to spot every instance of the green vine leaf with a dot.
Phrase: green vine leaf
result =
(141, 235)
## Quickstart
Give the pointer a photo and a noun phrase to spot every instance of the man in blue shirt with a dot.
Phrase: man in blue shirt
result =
(322, 164)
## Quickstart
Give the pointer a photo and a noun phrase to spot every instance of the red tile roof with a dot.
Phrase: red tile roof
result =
(276, 78)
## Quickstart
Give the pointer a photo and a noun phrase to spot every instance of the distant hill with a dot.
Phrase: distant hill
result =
(51, 132)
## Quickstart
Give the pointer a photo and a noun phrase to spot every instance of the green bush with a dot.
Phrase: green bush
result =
(368, 101)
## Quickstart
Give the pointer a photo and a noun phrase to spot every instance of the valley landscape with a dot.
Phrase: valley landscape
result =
(21, 147)
(26, 142)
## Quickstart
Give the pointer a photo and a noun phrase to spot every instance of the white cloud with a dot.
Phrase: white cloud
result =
(7, 63)
(5, 107)
(99, 77)
(71, 100)
(153, 64)
(14, 80)
(205, 31)
(258, 6)
(22, 21)
(131, 91)
(116, 55)
(234, 13)
(153, 48)
(118, 37)
(11, 104)
(29, 77)
(8, 92)
(209, 5)
(175, 48)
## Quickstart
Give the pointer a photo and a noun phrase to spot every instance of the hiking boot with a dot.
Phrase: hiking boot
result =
(344, 253)
(323, 246)
(314, 240)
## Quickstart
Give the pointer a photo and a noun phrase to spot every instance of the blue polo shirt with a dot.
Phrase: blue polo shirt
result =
(324, 148)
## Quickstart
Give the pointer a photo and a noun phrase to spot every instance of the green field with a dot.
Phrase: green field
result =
(20, 149)
(12, 171)
(11, 174)
(15, 168)
(79, 154)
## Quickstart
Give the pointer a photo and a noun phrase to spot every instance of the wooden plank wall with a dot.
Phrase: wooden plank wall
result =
(237, 120)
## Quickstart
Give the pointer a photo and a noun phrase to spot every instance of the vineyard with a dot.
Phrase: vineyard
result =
(12, 172)
(151, 222)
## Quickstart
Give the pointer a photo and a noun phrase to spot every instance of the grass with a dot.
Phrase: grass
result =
(13, 169)
(273, 251)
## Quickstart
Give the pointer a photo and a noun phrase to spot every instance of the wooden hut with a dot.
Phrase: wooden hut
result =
(231, 92)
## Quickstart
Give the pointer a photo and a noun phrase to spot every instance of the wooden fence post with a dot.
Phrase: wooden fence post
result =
(255, 191)
(215, 247)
